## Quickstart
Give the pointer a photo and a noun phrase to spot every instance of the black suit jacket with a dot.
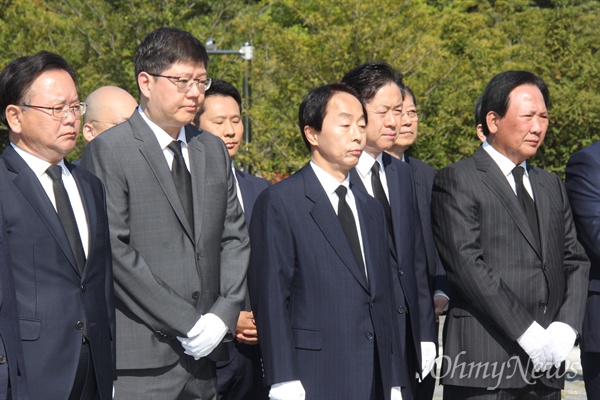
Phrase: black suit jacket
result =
(413, 299)
(55, 300)
(319, 319)
(423, 175)
(502, 281)
(250, 186)
(583, 187)
(13, 367)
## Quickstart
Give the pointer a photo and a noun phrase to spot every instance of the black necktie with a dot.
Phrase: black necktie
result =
(346, 218)
(379, 194)
(526, 201)
(66, 215)
(183, 180)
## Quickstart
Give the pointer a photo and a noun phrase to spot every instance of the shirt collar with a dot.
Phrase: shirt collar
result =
(164, 139)
(505, 165)
(38, 165)
(365, 163)
(329, 183)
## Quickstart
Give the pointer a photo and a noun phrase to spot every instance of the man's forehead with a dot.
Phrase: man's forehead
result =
(186, 66)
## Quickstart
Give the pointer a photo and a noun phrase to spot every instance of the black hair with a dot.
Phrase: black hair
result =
(368, 78)
(18, 76)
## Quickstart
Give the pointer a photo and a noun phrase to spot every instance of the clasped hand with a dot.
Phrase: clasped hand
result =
(204, 336)
(548, 347)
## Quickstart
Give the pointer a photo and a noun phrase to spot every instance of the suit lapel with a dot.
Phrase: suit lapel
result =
(498, 184)
(326, 219)
(89, 206)
(150, 149)
(196, 152)
(368, 228)
(28, 183)
(541, 204)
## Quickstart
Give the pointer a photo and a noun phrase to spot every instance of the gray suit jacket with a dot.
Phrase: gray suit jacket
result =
(501, 279)
(165, 277)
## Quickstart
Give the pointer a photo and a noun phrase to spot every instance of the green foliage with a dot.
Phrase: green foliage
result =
(448, 51)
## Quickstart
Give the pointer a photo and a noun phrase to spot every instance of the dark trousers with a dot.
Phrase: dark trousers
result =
(590, 362)
(240, 378)
(425, 388)
(85, 387)
(530, 392)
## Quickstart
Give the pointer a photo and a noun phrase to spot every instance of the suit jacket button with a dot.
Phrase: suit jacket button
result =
(83, 288)
(79, 325)
(195, 295)
(198, 257)
(542, 305)
(2, 359)
(401, 310)
(401, 272)
(369, 336)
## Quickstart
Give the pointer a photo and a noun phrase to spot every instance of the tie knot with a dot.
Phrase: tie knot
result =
(54, 172)
(375, 168)
(341, 191)
(175, 147)
(518, 172)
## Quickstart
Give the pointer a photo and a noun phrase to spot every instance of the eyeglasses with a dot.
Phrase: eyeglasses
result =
(61, 112)
(184, 85)
(412, 114)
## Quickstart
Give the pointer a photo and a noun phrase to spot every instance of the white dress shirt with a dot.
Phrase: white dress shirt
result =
(164, 139)
(365, 163)
(39, 168)
(506, 166)
(330, 184)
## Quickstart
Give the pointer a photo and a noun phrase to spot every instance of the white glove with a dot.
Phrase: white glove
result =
(562, 340)
(535, 343)
(396, 393)
(427, 358)
(204, 336)
(290, 390)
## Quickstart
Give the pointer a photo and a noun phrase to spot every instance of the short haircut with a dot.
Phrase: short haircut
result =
(497, 92)
(18, 76)
(164, 47)
(314, 106)
(478, 111)
(407, 91)
(368, 78)
(219, 87)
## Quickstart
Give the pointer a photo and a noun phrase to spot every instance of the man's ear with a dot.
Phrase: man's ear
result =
(145, 82)
(492, 119)
(88, 131)
(14, 114)
(311, 135)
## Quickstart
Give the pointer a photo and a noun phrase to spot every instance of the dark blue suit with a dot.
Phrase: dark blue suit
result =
(240, 377)
(12, 368)
(423, 175)
(583, 188)
(414, 303)
(319, 320)
(56, 303)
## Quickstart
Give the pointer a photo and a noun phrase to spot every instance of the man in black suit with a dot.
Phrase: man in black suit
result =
(57, 235)
(13, 384)
(391, 182)
(583, 187)
(240, 377)
(320, 267)
(505, 234)
(423, 175)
